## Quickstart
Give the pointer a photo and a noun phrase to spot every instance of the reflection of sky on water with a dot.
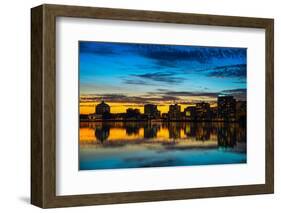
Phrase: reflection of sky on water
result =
(135, 145)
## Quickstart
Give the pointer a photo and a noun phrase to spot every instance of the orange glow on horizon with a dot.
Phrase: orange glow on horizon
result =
(89, 107)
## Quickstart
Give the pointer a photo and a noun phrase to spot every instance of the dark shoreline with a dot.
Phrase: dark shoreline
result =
(166, 121)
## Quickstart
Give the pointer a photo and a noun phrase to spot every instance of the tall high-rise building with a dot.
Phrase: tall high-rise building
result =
(151, 111)
(174, 112)
(203, 111)
(226, 108)
(214, 113)
(241, 111)
(190, 113)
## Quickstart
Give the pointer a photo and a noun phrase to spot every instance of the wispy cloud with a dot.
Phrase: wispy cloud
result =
(233, 91)
(185, 93)
(173, 54)
(192, 72)
(166, 77)
(137, 82)
(163, 55)
(240, 94)
(231, 71)
(129, 99)
(164, 95)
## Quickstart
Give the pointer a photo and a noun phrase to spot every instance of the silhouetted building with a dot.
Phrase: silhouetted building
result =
(190, 113)
(83, 117)
(226, 108)
(241, 111)
(203, 111)
(94, 116)
(151, 111)
(164, 116)
(133, 111)
(214, 113)
(102, 108)
(133, 114)
(118, 116)
(174, 112)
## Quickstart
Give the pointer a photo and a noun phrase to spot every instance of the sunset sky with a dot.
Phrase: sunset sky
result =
(130, 75)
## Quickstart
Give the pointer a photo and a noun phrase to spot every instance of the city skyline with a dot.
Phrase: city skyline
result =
(163, 108)
(227, 110)
(131, 75)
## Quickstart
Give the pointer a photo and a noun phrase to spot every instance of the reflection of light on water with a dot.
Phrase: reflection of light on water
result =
(162, 133)
(94, 132)
(119, 134)
(112, 145)
(177, 132)
(87, 135)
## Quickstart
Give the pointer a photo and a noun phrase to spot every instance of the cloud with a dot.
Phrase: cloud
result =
(184, 93)
(233, 91)
(164, 95)
(164, 55)
(169, 98)
(121, 98)
(239, 93)
(230, 71)
(169, 54)
(136, 82)
(172, 54)
(166, 77)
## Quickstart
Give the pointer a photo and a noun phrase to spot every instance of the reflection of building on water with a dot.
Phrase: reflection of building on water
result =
(190, 130)
(203, 133)
(150, 130)
(102, 133)
(174, 130)
(132, 129)
(226, 134)
(200, 131)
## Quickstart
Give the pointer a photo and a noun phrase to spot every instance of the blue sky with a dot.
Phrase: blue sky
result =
(141, 73)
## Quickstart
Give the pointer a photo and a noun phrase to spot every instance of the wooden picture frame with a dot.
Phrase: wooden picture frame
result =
(43, 105)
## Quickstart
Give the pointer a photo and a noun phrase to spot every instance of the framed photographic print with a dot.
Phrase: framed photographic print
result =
(136, 106)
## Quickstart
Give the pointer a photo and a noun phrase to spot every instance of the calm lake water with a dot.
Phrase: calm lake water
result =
(113, 145)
